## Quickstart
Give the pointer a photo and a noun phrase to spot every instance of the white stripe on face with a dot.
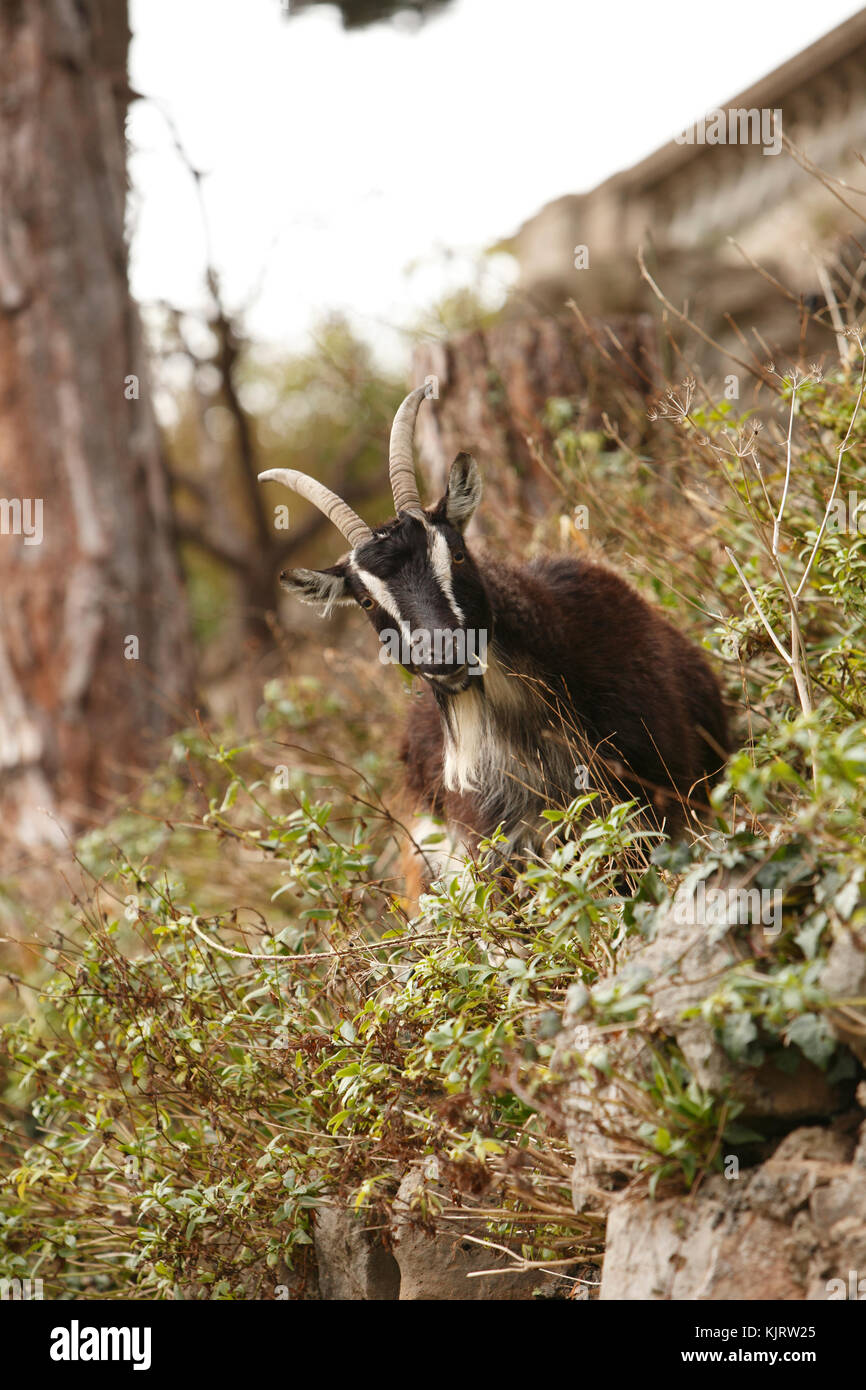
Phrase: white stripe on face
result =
(378, 590)
(440, 559)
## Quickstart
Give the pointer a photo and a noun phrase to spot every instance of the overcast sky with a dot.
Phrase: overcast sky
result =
(364, 172)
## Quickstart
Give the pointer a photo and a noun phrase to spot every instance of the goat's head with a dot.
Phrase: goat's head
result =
(413, 575)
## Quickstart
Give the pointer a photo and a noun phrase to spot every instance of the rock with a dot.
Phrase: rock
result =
(804, 1159)
(439, 1266)
(844, 977)
(678, 1250)
(792, 1229)
(685, 963)
(353, 1263)
(596, 1110)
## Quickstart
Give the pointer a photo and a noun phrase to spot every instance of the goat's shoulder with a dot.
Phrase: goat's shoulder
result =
(575, 579)
(565, 587)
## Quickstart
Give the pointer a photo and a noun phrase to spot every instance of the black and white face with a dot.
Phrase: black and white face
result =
(418, 585)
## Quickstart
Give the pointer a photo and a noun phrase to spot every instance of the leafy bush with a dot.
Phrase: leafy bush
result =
(244, 1020)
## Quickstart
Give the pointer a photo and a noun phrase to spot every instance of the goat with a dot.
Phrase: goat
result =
(554, 676)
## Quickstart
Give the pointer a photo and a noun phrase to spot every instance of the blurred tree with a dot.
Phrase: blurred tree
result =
(95, 660)
(326, 412)
(508, 385)
(357, 14)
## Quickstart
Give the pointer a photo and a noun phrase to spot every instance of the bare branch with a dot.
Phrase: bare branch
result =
(777, 522)
(187, 534)
(696, 328)
(757, 607)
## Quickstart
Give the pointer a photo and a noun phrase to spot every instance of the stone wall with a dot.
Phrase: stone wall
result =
(685, 201)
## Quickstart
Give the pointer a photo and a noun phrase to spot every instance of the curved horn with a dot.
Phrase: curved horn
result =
(401, 462)
(335, 509)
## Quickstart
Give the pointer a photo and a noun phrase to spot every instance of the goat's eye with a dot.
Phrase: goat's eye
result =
(367, 603)
(458, 556)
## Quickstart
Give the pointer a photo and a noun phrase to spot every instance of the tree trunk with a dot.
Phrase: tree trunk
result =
(95, 659)
(494, 386)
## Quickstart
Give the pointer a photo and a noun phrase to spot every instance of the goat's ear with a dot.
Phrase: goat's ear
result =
(322, 588)
(464, 491)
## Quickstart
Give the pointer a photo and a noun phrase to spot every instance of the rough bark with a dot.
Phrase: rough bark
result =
(78, 712)
(494, 386)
